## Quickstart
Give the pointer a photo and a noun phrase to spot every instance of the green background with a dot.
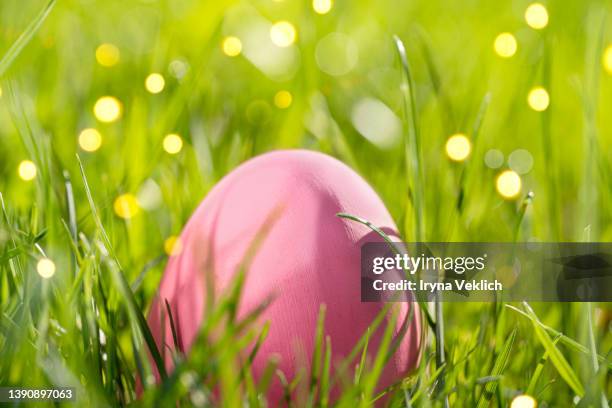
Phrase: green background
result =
(223, 108)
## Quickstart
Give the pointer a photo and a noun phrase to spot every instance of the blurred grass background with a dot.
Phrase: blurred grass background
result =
(230, 80)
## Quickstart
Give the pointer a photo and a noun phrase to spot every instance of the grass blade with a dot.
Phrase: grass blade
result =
(466, 175)
(25, 38)
(122, 284)
(498, 368)
(439, 332)
(521, 214)
(177, 344)
(537, 373)
(324, 386)
(412, 149)
(568, 341)
(316, 363)
(371, 378)
(560, 363)
(392, 244)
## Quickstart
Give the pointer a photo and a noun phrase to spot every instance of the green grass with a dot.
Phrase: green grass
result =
(430, 62)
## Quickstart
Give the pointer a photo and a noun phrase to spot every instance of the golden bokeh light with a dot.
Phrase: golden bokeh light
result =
(0, 92)
(27, 170)
(173, 245)
(45, 268)
(155, 83)
(282, 34)
(538, 99)
(107, 55)
(536, 16)
(322, 6)
(126, 206)
(606, 61)
(173, 143)
(523, 401)
(508, 184)
(283, 99)
(90, 140)
(505, 45)
(107, 109)
(458, 147)
(232, 46)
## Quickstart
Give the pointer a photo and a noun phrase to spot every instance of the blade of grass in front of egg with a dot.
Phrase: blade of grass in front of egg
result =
(317, 355)
(393, 247)
(370, 379)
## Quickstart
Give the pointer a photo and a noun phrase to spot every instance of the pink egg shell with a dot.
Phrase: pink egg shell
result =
(308, 257)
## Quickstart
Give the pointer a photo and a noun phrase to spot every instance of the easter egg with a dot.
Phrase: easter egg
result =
(307, 256)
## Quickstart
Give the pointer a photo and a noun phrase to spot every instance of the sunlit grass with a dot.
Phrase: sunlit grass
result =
(498, 119)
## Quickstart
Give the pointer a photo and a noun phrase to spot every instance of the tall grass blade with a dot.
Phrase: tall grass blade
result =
(392, 245)
(527, 201)
(370, 380)
(568, 341)
(122, 284)
(467, 174)
(440, 352)
(24, 38)
(589, 191)
(72, 223)
(547, 146)
(317, 355)
(325, 383)
(560, 363)
(412, 154)
(175, 337)
(498, 368)
(537, 373)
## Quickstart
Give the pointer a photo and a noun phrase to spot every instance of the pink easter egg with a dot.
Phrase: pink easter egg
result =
(307, 257)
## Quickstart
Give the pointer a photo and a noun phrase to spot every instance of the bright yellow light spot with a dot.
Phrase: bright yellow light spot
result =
(107, 109)
(458, 147)
(155, 83)
(126, 206)
(45, 268)
(322, 6)
(27, 170)
(0, 92)
(282, 34)
(173, 143)
(505, 45)
(538, 99)
(107, 55)
(90, 140)
(536, 16)
(232, 46)
(508, 184)
(524, 401)
(606, 60)
(283, 99)
(173, 245)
